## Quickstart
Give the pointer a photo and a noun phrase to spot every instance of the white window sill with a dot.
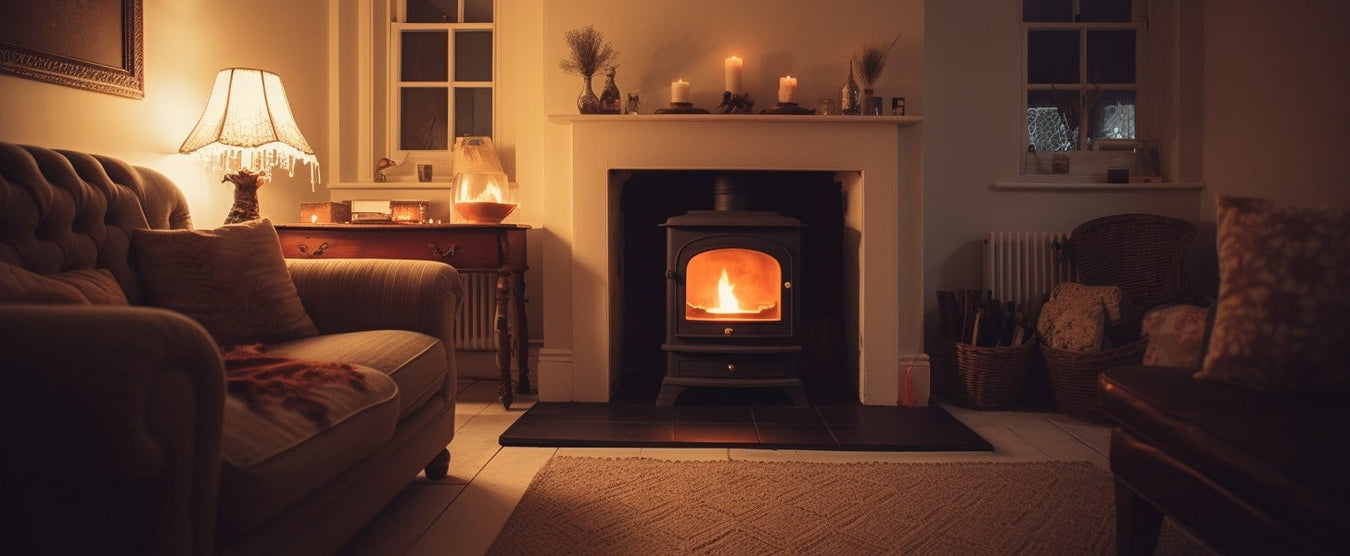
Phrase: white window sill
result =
(1084, 183)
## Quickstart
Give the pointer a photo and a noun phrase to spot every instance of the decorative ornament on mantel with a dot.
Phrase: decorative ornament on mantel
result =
(588, 51)
(610, 100)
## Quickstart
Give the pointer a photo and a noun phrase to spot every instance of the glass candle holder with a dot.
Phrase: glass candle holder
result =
(483, 197)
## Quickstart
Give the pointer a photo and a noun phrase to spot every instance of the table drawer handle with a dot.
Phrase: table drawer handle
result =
(304, 249)
(443, 253)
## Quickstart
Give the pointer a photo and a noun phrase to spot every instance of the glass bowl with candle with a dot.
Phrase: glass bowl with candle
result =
(483, 197)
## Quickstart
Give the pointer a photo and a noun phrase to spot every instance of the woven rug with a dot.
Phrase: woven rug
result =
(644, 506)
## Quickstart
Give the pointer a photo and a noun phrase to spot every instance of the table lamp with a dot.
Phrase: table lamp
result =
(246, 129)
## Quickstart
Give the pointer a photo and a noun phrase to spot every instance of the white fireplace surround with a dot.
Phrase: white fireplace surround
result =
(876, 158)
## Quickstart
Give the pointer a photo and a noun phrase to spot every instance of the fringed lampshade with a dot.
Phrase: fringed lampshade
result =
(246, 129)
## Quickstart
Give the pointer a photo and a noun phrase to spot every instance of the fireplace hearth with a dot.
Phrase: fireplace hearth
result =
(732, 317)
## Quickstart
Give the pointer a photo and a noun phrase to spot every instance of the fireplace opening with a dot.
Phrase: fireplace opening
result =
(738, 286)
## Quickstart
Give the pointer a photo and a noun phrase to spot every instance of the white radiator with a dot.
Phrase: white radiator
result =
(1022, 266)
(474, 329)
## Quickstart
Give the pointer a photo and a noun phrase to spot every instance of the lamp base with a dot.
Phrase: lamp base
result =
(246, 186)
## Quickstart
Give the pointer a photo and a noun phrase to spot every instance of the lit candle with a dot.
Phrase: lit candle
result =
(733, 67)
(679, 91)
(314, 218)
(787, 89)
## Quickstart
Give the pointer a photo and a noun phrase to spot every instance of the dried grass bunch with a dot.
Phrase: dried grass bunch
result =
(589, 51)
(872, 59)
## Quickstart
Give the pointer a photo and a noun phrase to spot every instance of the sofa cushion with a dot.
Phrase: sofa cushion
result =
(232, 279)
(1284, 455)
(414, 360)
(1282, 322)
(1176, 335)
(276, 456)
(86, 286)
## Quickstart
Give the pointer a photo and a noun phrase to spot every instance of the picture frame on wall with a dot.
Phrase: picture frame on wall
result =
(96, 45)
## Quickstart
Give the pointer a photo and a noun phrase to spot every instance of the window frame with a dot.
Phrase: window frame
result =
(1139, 24)
(395, 84)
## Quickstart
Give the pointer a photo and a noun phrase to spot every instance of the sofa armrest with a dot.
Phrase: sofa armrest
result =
(112, 429)
(346, 295)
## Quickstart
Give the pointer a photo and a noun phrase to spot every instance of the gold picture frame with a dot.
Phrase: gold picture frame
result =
(94, 45)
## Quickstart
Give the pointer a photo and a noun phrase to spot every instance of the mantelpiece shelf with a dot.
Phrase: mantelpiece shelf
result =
(901, 121)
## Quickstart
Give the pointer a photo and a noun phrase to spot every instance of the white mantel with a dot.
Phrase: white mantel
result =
(877, 159)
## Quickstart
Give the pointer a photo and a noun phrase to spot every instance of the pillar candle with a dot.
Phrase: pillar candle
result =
(733, 71)
(679, 91)
(787, 89)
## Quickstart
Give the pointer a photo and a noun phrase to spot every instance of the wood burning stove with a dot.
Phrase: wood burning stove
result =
(732, 316)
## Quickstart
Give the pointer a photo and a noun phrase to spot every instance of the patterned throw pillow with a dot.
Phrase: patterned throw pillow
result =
(1282, 322)
(1109, 297)
(1072, 324)
(233, 280)
(1176, 335)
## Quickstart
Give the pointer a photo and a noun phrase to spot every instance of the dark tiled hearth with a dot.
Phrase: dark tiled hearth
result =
(817, 427)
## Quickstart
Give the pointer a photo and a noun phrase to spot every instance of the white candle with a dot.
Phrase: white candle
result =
(733, 67)
(787, 89)
(679, 91)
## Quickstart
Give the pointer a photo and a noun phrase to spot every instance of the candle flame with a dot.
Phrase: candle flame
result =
(313, 218)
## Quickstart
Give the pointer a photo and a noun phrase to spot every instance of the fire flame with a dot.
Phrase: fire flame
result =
(491, 194)
(726, 300)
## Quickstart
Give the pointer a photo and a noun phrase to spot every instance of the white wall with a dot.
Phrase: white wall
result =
(1277, 123)
(973, 137)
(186, 43)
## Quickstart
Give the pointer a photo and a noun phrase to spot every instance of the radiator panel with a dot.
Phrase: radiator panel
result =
(1022, 266)
(474, 330)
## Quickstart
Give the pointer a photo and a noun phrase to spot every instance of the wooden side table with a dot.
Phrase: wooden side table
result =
(471, 248)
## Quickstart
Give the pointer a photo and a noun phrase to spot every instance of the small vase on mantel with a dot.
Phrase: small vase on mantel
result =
(610, 101)
(848, 95)
(868, 103)
(587, 102)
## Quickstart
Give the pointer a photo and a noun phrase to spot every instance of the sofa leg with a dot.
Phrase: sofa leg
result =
(1137, 522)
(439, 465)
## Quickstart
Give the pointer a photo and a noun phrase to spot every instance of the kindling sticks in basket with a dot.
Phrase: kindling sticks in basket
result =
(986, 348)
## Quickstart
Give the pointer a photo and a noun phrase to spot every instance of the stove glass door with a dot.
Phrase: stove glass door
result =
(733, 285)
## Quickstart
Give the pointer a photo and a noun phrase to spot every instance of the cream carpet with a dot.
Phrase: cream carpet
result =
(645, 507)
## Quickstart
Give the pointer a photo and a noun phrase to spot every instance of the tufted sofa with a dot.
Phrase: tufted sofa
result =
(120, 434)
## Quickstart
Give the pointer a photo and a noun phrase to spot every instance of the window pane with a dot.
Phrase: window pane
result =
(425, 113)
(1046, 129)
(1113, 117)
(473, 111)
(478, 11)
(1052, 56)
(425, 56)
(1110, 56)
(473, 56)
(433, 11)
(1047, 10)
(1104, 10)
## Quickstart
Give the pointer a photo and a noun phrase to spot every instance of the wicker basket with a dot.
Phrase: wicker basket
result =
(986, 377)
(1073, 376)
